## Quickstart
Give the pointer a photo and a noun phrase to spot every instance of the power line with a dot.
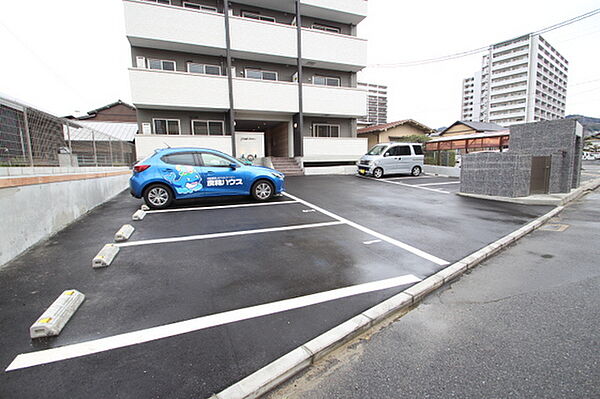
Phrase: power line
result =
(485, 48)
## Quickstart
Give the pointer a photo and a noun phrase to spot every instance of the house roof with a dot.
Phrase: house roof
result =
(477, 126)
(118, 131)
(94, 112)
(387, 126)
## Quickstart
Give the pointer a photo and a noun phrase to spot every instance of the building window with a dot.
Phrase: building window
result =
(258, 17)
(325, 81)
(166, 126)
(208, 128)
(165, 65)
(195, 6)
(325, 130)
(326, 28)
(204, 69)
(161, 1)
(259, 74)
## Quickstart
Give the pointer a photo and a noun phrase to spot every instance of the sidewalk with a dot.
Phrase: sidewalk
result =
(523, 324)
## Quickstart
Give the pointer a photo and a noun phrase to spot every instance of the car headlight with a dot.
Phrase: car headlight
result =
(278, 175)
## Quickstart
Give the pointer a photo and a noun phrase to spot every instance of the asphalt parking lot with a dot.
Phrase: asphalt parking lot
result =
(207, 292)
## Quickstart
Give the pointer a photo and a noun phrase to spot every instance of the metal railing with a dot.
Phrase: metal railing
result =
(30, 137)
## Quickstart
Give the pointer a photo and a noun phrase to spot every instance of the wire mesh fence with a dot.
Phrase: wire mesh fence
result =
(30, 137)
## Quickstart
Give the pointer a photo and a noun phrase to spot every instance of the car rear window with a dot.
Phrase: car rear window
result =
(418, 149)
(182, 158)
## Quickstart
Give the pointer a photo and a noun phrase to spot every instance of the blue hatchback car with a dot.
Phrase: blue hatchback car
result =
(180, 173)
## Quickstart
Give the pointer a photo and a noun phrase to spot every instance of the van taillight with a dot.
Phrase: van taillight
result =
(140, 168)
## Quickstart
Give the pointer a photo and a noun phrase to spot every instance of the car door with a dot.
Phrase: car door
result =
(220, 177)
(389, 161)
(182, 171)
(403, 158)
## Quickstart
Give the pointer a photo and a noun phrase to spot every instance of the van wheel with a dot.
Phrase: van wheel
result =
(262, 190)
(378, 173)
(416, 171)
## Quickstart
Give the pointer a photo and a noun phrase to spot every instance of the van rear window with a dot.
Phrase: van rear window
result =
(418, 149)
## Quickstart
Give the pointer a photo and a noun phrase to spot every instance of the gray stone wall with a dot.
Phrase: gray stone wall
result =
(509, 174)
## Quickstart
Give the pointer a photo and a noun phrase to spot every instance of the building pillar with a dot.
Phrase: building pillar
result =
(298, 120)
(231, 112)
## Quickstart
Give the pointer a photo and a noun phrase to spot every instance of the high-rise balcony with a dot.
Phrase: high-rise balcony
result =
(175, 28)
(186, 91)
(178, 90)
(345, 11)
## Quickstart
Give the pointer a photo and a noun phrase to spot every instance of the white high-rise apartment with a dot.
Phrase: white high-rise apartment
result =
(522, 80)
(247, 76)
(376, 107)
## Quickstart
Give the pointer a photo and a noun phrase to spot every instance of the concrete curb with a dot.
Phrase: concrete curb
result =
(278, 371)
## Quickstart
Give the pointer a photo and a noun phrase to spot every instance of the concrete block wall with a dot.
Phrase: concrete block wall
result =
(508, 174)
(31, 213)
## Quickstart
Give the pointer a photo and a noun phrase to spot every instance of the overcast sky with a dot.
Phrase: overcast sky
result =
(72, 55)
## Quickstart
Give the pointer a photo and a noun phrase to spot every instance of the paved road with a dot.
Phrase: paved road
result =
(525, 324)
(162, 284)
(590, 170)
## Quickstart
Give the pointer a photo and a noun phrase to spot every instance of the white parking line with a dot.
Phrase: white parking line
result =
(437, 184)
(223, 235)
(206, 208)
(410, 177)
(364, 229)
(435, 190)
(371, 242)
(31, 359)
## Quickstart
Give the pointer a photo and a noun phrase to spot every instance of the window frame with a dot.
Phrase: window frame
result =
(339, 80)
(164, 2)
(262, 71)
(263, 18)
(161, 64)
(200, 155)
(329, 125)
(208, 122)
(326, 28)
(167, 120)
(188, 64)
(194, 155)
(199, 7)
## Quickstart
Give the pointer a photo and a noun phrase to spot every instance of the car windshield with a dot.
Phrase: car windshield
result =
(245, 161)
(377, 150)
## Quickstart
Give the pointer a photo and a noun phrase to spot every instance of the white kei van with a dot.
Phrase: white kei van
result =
(392, 158)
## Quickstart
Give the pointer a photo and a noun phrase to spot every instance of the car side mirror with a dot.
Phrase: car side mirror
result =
(233, 165)
(387, 154)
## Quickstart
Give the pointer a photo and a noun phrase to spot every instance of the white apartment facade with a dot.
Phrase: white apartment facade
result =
(522, 80)
(376, 107)
(262, 77)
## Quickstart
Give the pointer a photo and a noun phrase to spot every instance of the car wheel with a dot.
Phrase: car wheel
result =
(416, 171)
(158, 196)
(263, 190)
(378, 173)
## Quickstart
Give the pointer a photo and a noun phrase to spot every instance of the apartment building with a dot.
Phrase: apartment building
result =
(521, 80)
(376, 107)
(270, 78)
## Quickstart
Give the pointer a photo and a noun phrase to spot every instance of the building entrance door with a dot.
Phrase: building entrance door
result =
(540, 175)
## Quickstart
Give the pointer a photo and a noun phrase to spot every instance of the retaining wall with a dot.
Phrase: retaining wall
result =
(35, 206)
